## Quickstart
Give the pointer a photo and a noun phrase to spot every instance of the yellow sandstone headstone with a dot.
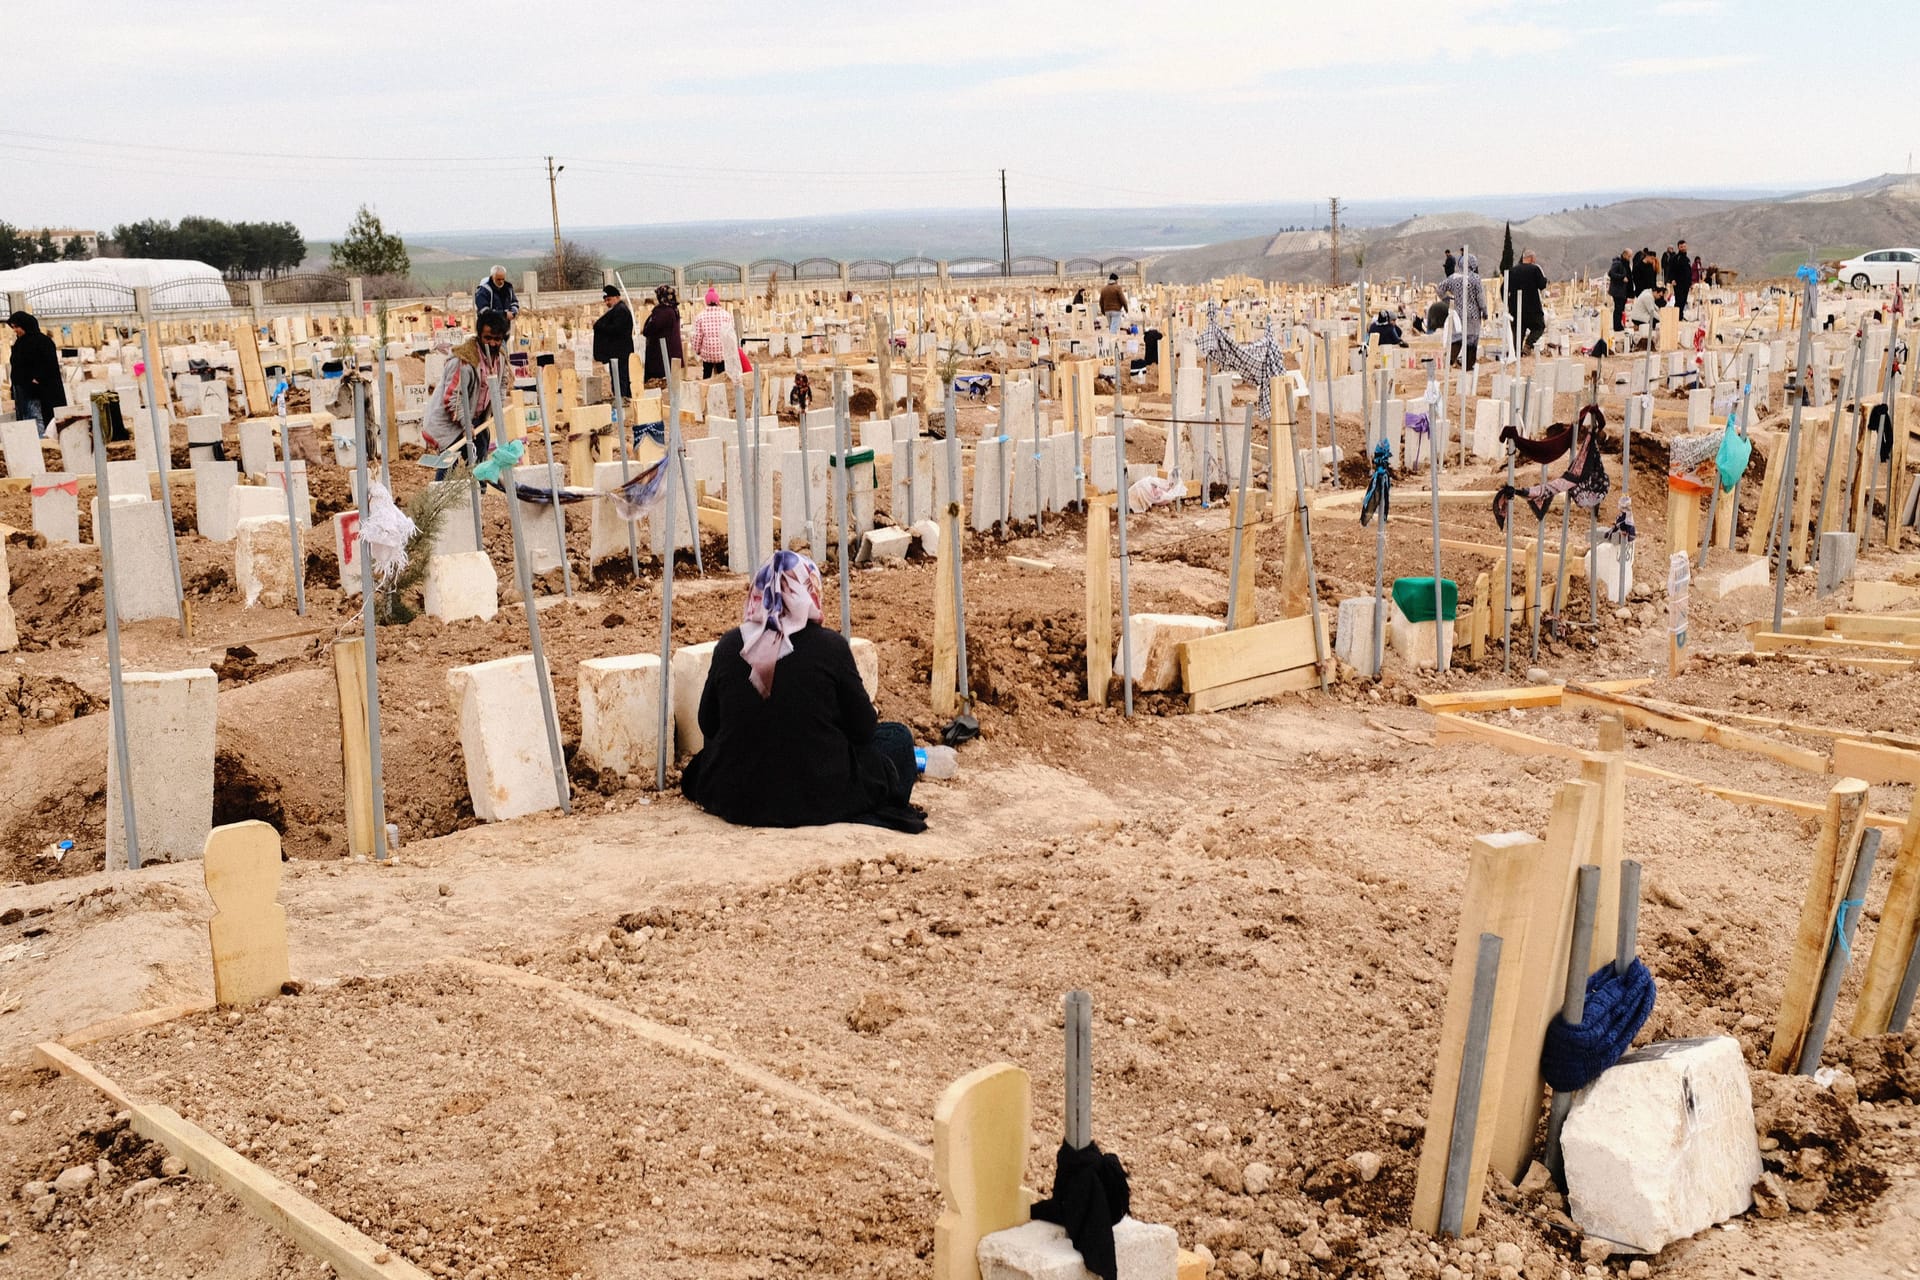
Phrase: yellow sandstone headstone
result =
(979, 1153)
(249, 928)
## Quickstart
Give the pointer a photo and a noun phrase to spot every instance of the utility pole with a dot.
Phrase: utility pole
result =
(1333, 225)
(1006, 239)
(553, 197)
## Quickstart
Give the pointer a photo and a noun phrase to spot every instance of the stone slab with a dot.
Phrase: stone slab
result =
(170, 718)
(687, 680)
(1662, 1145)
(620, 713)
(509, 773)
(1412, 641)
(142, 570)
(1155, 646)
(462, 585)
(56, 510)
(1041, 1251)
(213, 486)
(263, 567)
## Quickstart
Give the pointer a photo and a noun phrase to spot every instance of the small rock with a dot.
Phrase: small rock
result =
(139, 1188)
(1508, 1254)
(1205, 1255)
(446, 890)
(1222, 1173)
(1536, 1179)
(1538, 675)
(1638, 1269)
(1257, 1177)
(72, 1180)
(172, 1167)
(382, 1258)
(709, 1151)
(1366, 1164)
(335, 1104)
(16, 1117)
(1240, 1265)
(34, 1190)
(1594, 1249)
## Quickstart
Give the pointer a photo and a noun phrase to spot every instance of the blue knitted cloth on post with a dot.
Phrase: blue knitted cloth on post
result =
(1617, 1006)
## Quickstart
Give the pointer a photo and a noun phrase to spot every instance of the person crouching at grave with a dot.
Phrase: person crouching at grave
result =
(1384, 332)
(613, 339)
(34, 372)
(1466, 298)
(662, 325)
(463, 402)
(713, 336)
(1644, 314)
(792, 740)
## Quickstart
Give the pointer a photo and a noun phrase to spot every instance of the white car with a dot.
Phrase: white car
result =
(1871, 270)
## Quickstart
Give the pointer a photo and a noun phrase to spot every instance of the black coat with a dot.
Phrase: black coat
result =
(613, 334)
(662, 322)
(34, 367)
(793, 759)
(1646, 274)
(1526, 282)
(1620, 278)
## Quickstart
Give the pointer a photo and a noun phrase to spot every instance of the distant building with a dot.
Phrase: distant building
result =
(62, 236)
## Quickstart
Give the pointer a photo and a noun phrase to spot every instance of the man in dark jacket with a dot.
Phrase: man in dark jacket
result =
(613, 339)
(34, 372)
(1620, 287)
(1680, 278)
(495, 293)
(1526, 282)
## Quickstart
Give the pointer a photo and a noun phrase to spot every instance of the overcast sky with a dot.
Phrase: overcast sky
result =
(438, 115)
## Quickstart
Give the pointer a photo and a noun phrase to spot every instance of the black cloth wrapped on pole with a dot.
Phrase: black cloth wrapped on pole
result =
(1090, 1195)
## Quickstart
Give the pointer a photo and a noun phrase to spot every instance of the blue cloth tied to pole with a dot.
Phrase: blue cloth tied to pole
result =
(1618, 1005)
(1380, 487)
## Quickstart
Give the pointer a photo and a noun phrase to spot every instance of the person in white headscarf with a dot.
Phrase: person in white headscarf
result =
(1466, 299)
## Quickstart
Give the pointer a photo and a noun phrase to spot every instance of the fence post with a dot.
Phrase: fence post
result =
(16, 301)
(356, 293)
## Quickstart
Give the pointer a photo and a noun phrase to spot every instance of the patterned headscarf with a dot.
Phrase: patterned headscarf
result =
(784, 598)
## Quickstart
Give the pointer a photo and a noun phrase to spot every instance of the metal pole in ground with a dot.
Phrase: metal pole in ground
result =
(959, 593)
(1593, 530)
(1313, 410)
(1856, 418)
(1803, 358)
(556, 478)
(1889, 398)
(523, 575)
(626, 471)
(1039, 503)
(1434, 430)
(672, 441)
(675, 462)
(1079, 1069)
(368, 625)
(1628, 410)
(1466, 1098)
(163, 451)
(843, 485)
(1126, 595)
(1573, 1006)
(1839, 952)
(1239, 525)
(293, 520)
(1903, 1003)
(1333, 425)
(1848, 386)
(806, 482)
(1629, 936)
(1313, 576)
(103, 534)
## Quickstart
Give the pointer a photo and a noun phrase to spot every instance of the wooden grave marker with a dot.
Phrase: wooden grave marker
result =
(249, 927)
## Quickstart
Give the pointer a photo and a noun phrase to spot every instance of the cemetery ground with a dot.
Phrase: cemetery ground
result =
(1262, 903)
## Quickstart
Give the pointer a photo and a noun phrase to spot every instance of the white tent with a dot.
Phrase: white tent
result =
(106, 285)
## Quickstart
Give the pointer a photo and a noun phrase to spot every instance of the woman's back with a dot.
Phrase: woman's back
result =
(787, 759)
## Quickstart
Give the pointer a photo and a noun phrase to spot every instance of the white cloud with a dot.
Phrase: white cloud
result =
(1686, 66)
(1689, 8)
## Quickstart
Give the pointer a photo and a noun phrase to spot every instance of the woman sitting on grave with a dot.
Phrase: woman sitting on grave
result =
(463, 401)
(792, 739)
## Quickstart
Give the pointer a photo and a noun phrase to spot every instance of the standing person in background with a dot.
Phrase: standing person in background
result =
(1646, 272)
(1526, 284)
(1447, 267)
(1680, 279)
(663, 325)
(713, 335)
(34, 372)
(495, 293)
(463, 402)
(613, 339)
(1113, 302)
(1466, 298)
(1620, 287)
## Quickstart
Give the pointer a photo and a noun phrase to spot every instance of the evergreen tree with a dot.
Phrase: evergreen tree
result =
(43, 250)
(367, 249)
(1506, 252)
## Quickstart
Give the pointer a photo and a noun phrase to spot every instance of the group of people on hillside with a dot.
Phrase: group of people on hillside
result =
(1641, 283)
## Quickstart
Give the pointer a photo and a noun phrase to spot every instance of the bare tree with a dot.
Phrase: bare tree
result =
(583, 268)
